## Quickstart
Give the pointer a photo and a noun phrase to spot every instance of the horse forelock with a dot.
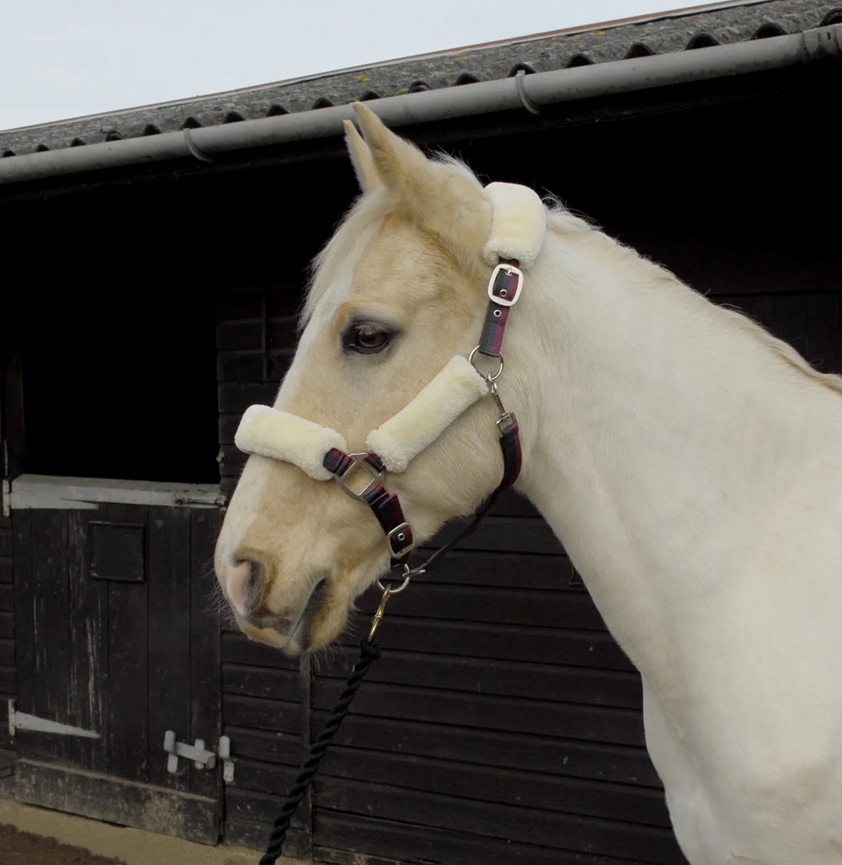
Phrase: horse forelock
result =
(331, 269)
(360, 226)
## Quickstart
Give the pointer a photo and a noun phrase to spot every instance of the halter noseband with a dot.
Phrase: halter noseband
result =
(517, 235)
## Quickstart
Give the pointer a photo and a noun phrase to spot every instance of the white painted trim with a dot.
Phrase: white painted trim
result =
(41, 492)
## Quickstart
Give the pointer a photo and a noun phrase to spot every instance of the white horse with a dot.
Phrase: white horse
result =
(690, 463)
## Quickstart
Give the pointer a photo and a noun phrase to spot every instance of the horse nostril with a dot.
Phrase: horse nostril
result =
(246, 585)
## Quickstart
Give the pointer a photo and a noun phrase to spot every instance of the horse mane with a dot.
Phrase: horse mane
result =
(353, 233)
(564, 222)
(783, 350)
(363, 220)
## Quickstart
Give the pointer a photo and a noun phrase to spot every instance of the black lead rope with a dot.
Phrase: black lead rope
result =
(510, 444)
(368, 654)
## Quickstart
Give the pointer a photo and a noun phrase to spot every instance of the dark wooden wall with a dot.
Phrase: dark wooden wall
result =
(115, 610)
(11, 434)
(7, 628)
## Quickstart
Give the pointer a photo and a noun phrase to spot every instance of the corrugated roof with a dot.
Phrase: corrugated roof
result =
(679, 31)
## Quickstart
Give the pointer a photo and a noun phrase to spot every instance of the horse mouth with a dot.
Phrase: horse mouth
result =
(300, 637)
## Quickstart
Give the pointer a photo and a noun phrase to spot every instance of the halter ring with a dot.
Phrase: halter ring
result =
(487, 376)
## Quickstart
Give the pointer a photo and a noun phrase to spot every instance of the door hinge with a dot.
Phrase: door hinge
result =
(200, 756)
(23, 721)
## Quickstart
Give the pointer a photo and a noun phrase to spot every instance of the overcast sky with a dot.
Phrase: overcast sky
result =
(67, 58)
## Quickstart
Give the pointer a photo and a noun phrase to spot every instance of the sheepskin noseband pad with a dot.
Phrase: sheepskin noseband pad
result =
(283, 436)
(519, 224)
(268, 432)
(401, 438)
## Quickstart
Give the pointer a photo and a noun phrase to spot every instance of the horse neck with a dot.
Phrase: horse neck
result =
(656, 426)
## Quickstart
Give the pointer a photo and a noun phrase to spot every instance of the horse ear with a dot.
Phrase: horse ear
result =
(401, 165)
(361, 158)
(443, 196)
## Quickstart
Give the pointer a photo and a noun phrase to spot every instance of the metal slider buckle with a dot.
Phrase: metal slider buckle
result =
(506, 422)
(498, 294)
(401, 534)
(359, 460)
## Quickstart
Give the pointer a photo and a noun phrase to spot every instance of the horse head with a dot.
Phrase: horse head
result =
(397, 297)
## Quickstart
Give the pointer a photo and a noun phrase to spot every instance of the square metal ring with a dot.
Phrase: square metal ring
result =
(359, 461)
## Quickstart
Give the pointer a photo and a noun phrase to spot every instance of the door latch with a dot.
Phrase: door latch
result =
(200, 756)
(196, 752)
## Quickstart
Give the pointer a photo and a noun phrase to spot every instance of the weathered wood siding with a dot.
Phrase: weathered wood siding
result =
(7, 628)
(11, 442)
(115, 611)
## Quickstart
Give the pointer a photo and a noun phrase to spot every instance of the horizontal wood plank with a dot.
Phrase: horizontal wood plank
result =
(251, 814)
(7, 626)
(7, 598)
(507, 822)
(596, 649)
(265, 778)
(567, 720)
(503, 534)
(265, 747)
(563, 757)
(255, 714)
(238, 649)
(511, 570)
(498, 605)
(5, 541)
(401, 842)
(245, 833)
(474, 676)
(7, 653)
(261, 682)
(7, 681)
(7, 570)
(507, 786)
(127, 803)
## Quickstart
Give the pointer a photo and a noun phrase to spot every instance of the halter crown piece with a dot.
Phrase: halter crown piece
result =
(517, 235)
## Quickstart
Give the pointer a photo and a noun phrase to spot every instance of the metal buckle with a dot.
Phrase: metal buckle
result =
(359, 460)
(500, 296)
(506, 422)
(409, 544)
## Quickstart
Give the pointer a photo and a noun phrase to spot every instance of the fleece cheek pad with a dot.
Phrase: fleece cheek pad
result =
(268, 432)
(401, 438)
(282, 436)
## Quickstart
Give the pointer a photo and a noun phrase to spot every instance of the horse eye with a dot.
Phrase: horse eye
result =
(367, 337)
